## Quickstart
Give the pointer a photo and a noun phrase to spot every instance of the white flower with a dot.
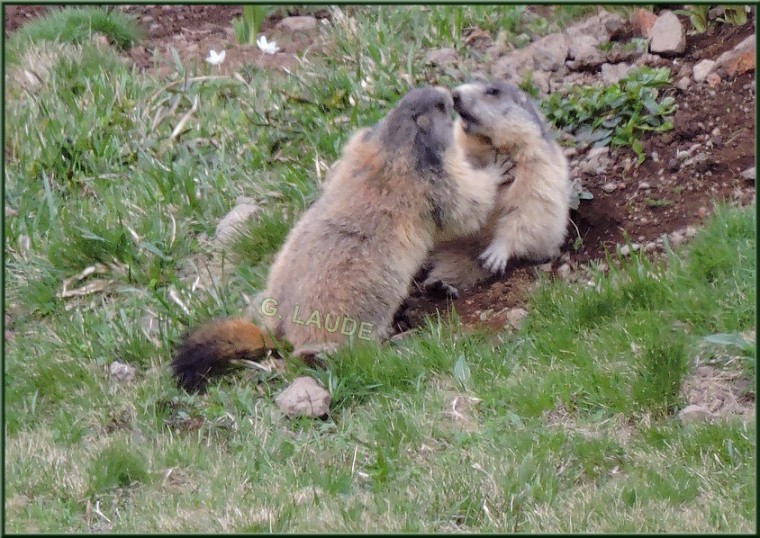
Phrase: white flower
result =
(214, 58)
(270, 47)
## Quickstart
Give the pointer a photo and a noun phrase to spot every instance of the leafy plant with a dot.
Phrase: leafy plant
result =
(699, 15)
(248, 25)
(617, 114)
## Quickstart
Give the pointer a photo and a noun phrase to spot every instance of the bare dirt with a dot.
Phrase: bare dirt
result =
(716, 122)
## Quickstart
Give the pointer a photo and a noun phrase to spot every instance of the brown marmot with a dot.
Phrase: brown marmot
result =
(531, 215)
(345, 267)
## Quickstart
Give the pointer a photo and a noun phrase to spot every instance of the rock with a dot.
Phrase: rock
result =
(541, 81)
(651, 246)
(668, 35)
(298, 24)
(738, 60)
(479, 40)
(550, 52)
(600, 26)
(442, 57)
(694, 414)
(676, 238)
(642, 21)
(596, 161)
(516, 317)
(713, 79)
(229, 227)
(609, 187)
(714, 13)
(702, 69)
(612, 73)
(625, 250)
(584, 53)
(643, 185)
(690, 231)
(748, 174)
(122, 373)
(10, 212)
(702, 212)
(304, 397)
(513, 66)
(564, 271)
(683, 84)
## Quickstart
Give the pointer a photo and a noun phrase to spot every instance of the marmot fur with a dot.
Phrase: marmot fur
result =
(531, 214)
(346, 265)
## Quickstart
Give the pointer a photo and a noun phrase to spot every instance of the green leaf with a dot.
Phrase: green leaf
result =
(462, 370)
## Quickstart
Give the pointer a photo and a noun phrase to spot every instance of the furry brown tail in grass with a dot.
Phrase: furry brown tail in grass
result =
(209, 349)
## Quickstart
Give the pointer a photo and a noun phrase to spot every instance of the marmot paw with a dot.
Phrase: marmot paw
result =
(494, 259)
(439, 287)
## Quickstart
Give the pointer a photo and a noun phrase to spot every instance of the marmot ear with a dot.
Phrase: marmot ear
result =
(423, 122)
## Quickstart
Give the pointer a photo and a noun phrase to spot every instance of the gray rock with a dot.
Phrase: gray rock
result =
(516, 317)
(599, 26)
(229, 227)
(612, 73)
(541, 80)
(442, 57)
(597, 160)
(690, 231)
(668, 35)
(301, 23)
(702, 69)
(304, 397)
(584, 53)
(749, 174)
(643, 185)
(550, 52)
(513, 66)
(123, 373)
(683, 84)
(694, 414)
(609, 187)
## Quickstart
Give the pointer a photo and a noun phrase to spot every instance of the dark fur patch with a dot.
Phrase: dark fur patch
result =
(195, 363)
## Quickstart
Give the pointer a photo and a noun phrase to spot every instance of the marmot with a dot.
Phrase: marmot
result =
(346, 265)
(532, 212)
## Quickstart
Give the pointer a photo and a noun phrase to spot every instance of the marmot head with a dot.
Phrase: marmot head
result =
(421, 122)
(498, 112)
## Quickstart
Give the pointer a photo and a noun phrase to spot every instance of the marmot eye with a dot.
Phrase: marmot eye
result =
(440, 106)
(493, 90)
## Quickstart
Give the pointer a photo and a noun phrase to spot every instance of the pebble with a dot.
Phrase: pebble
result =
(516, 317)
(702, 212)
(749, 174)
(123, 373)
(694, 414)
(609, 187)
(683, 84)
(564, 270)
(304, 397)
(691, 231)
(713, 79)
(649, 247)
(676, 238)
(643, 185)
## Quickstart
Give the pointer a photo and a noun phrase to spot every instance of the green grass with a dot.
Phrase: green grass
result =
(74, 25)
(566, 425)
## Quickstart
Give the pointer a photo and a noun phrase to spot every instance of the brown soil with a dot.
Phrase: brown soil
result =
(721, 120)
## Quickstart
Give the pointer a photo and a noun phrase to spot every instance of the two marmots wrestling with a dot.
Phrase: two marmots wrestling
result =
(414, 187)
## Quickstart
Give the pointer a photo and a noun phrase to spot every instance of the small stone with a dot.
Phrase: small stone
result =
(564, 270)
(713, 79)
(625, 250)
(651, 246)
(612, 73)
(550, 52)
(716, 131)
(609, 187)
(668, 35)
(442, 57)
(304, 397)
(748, 174)
(694, 414)
(545, 267)
(702, 69)
(674, 165)
(123, 373)
(643, 185)
(676, 238)
(738, 60)
(691, 231)
(683, 84)
(296, 24)
(229, 227)
(516, 317)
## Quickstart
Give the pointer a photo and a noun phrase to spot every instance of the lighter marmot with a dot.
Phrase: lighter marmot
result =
(531, 214)
(399, 187)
